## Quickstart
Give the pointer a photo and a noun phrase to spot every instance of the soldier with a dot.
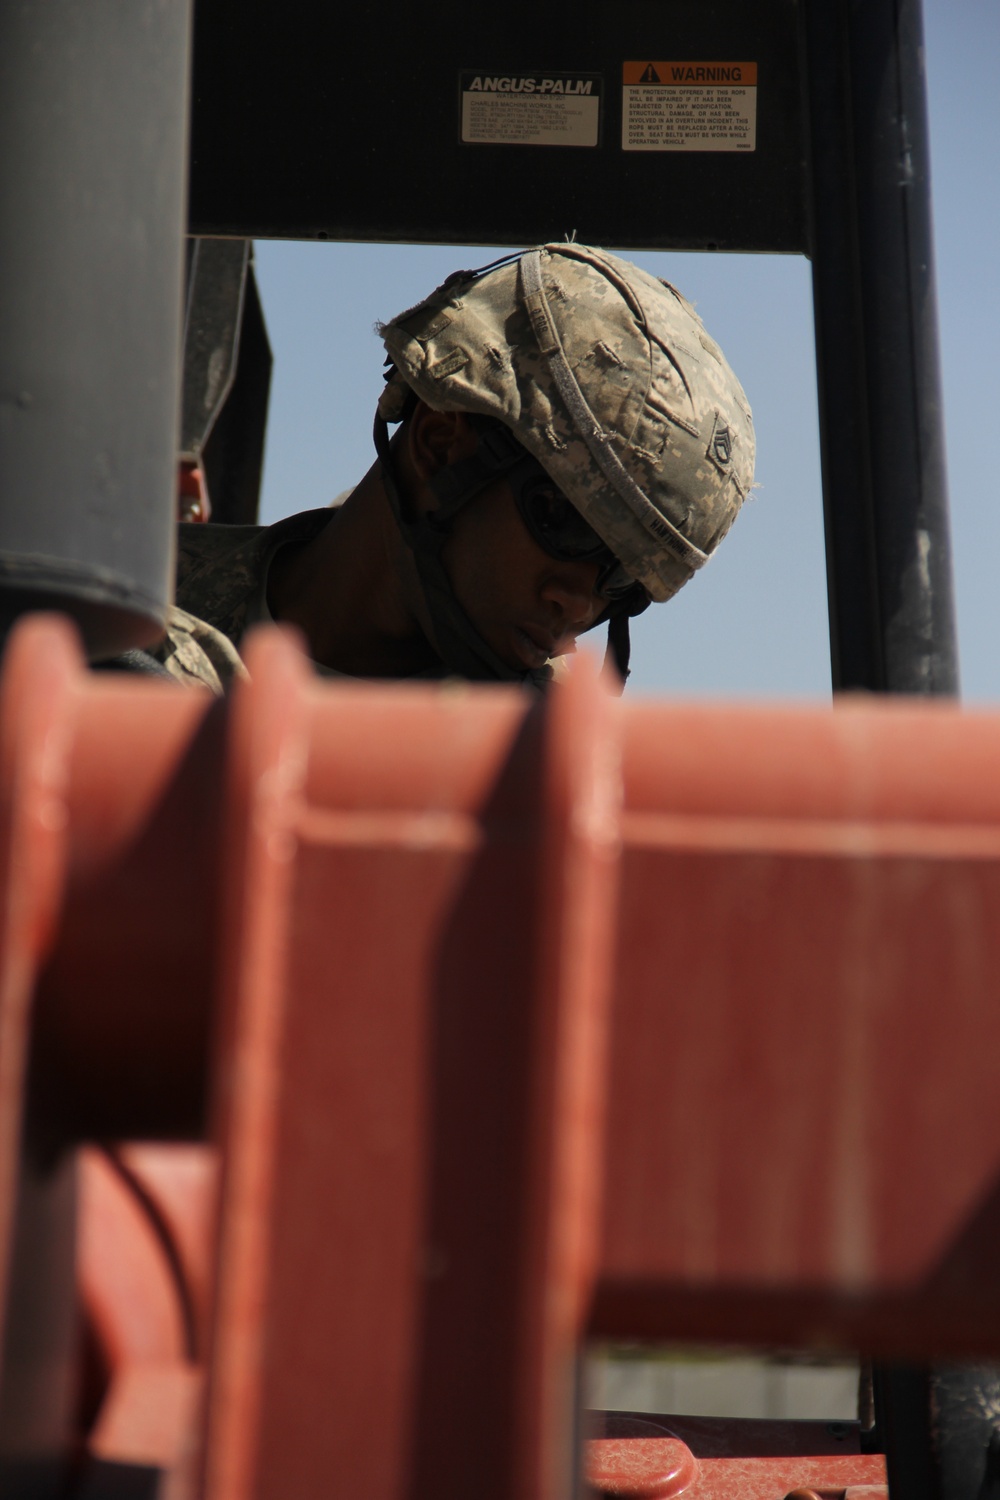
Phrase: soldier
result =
(571, 446)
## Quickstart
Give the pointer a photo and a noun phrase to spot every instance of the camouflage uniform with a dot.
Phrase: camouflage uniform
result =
(221, 592)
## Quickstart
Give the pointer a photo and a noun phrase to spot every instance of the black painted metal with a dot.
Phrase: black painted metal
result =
(888, 549)
(320, 121)
(939, 1430)
(93, 103)
(890, 591)
(965, 1415)
(227, 376)
(213, 314)
(903, 1432)
(233, 453)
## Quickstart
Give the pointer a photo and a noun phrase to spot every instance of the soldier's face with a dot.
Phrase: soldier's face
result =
(526, 605)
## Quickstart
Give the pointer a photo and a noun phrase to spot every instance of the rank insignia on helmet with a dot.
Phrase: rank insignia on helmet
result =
(721, 446)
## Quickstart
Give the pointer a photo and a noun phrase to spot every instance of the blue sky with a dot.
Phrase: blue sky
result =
(754, 623)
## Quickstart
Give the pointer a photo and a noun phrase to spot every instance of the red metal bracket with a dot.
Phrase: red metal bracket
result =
(513, 1023)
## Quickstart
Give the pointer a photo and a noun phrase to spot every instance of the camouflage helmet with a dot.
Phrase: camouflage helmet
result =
(606, 375)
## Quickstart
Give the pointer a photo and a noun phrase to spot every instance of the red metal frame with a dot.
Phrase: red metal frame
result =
(513, 1023)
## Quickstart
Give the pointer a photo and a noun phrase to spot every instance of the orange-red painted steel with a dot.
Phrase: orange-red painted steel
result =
(512, 1022)
(815, 1157)
(143, 1248)
(418, 1115)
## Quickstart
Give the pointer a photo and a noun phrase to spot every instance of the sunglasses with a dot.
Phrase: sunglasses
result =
(561, 531)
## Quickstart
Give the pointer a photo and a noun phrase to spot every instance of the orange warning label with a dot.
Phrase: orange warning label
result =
(689, 106)
(690, 74)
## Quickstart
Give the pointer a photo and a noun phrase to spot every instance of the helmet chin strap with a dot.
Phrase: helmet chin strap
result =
(456, 639)
(619, 647)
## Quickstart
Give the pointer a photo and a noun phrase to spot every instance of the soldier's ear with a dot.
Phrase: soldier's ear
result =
(438, 438)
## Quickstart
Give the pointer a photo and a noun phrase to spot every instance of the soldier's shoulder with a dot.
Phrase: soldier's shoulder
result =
(217, 563)
(196, 654)
(210, 548)
(221, 573)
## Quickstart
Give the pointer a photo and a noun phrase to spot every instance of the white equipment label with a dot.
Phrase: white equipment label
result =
(689, 106)
(531, 109)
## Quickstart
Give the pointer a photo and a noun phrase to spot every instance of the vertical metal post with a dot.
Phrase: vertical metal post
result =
(93, 117)
(904, 1433)
(892, 626)
(892, 623)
